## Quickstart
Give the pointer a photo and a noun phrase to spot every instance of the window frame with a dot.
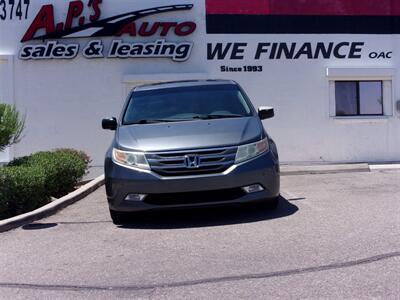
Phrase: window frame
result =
(359, 114)
(385, 74)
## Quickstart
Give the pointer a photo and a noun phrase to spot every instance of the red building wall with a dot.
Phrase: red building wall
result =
(303, 16)
(305, 7)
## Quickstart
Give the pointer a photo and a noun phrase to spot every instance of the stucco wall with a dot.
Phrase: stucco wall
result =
(65, 100)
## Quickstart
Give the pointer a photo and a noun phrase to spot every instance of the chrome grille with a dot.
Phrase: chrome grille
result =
(173, 163)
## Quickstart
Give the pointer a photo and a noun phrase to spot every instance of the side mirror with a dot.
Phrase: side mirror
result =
(110, 124)
(265, 112)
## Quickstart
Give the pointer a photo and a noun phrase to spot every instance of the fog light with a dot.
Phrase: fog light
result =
(135, 197)
(253, 188)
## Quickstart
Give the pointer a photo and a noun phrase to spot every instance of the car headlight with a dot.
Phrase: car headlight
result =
(246, 152)
(130, 159)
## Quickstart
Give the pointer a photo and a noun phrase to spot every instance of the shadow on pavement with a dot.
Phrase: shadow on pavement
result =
(38, 226)
(212, 216)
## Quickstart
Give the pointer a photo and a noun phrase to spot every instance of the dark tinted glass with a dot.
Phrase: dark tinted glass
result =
(359, 98)
(186, 103)
(371, 98)
(346, 98)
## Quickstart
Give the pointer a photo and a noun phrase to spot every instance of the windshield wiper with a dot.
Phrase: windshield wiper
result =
(200, 117)
(154, 121)
(220, 116)
(217, 116)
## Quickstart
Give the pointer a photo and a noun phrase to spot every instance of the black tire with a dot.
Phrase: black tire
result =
(119, 218)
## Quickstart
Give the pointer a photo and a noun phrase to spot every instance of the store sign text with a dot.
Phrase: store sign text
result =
(125, 24)
(292, 51)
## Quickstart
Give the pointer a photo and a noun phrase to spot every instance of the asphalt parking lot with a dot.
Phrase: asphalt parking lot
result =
(333, 236)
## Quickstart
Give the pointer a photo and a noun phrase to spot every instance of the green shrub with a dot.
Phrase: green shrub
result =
(81, 154)
(28, 182)
(22, 189)
(11, 125)
(63, 169)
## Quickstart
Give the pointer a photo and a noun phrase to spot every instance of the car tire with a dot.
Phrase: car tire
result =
(119, 218)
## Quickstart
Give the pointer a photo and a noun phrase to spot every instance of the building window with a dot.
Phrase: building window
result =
(359, 98)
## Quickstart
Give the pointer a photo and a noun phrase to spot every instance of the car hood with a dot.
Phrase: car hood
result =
(189, 134)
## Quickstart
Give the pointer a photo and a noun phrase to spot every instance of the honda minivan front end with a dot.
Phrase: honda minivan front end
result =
(192, 143)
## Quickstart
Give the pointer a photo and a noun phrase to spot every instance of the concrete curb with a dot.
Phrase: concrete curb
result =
(287, 170)
(52, 207)
(384, 167)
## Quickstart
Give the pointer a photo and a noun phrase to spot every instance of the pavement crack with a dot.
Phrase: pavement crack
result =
(178, 284)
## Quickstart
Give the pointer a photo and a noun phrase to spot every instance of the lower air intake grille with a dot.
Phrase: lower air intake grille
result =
(195, 197)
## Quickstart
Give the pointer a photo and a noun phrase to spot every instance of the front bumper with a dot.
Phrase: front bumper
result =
(121, 181)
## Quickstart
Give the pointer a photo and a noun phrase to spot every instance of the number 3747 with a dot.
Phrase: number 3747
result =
(14, 9)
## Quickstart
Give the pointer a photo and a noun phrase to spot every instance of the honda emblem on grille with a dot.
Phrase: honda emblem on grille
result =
(192, 161)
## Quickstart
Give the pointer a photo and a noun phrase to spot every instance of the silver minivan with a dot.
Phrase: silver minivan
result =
(189, 143)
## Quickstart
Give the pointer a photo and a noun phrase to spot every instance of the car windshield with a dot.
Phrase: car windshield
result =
(185, 104)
